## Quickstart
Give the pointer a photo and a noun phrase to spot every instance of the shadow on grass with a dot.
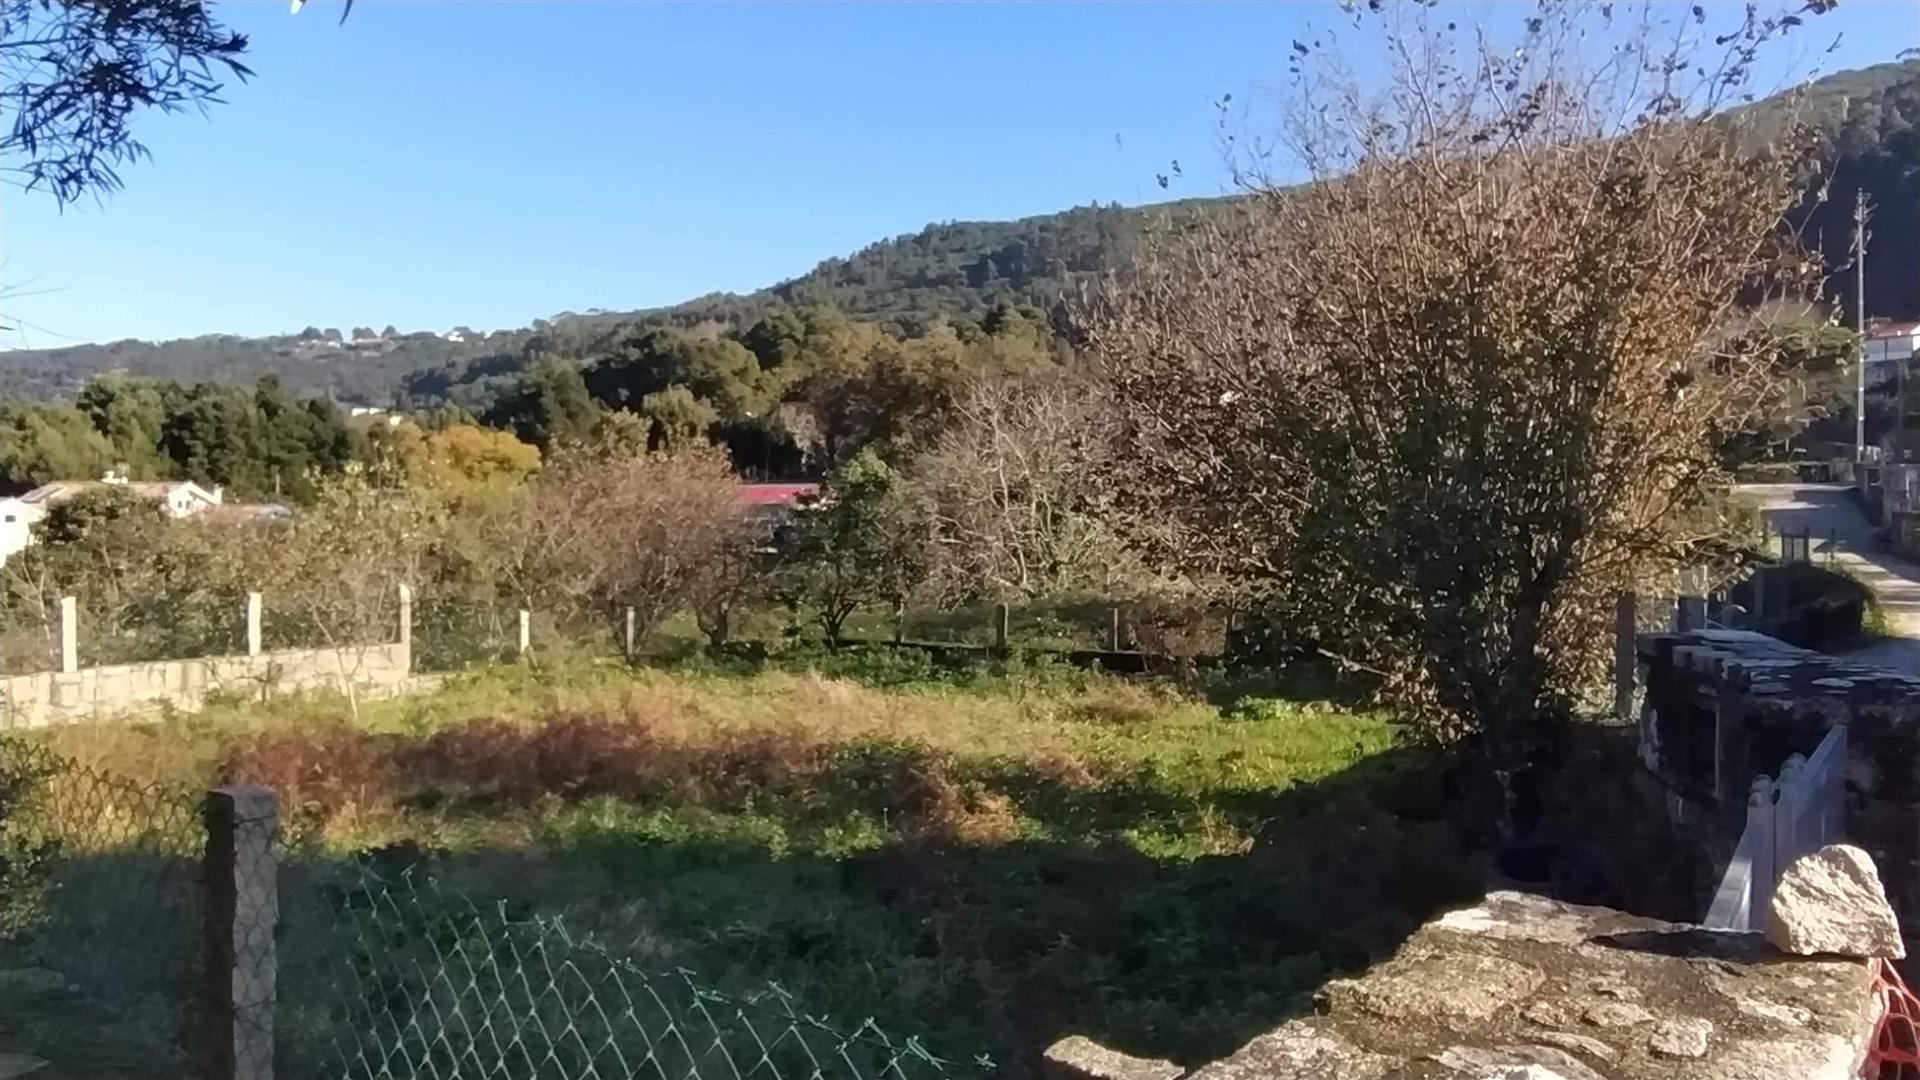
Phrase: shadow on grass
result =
(1003, 947)
(994, 926)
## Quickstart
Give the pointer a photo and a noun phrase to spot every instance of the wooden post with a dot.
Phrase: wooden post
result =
(253, 624)
(1626, 657)
(627, 635)
(899, 622)
(1113, 629)
(1000, 621)
(69, 635)
(526, 631)
(406, 615)
(243, 913)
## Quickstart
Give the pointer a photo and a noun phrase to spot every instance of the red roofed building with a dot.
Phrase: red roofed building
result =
(782, 496)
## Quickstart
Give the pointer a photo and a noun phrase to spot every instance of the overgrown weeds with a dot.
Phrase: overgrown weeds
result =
(990, 856)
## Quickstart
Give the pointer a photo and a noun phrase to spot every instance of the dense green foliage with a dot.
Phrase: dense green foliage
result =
(790, 393)
(1868, 122)
(257, 442)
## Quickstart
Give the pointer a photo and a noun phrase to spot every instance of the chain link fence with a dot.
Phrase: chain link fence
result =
(419, 980)
(234, 954)
(100, 885)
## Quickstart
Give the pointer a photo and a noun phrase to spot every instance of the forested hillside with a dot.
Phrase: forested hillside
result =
(1868, 120)
(962, 272)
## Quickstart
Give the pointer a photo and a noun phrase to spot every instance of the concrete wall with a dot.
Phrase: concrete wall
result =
(1722, 707)
(54, 697)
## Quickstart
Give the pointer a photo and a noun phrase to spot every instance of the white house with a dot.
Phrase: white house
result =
(177, 499)
(16, 525)
(1888, 347)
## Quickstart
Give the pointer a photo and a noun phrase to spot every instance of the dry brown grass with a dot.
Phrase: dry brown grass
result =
(337, 781)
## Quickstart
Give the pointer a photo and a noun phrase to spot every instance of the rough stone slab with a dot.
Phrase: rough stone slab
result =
(1462, 986)
(1299, 1050)
(1832, 902)
(1439, 1011)
(1506, 1061)
(1077, 1057)
(1683, 1038)
(1579, 1044)
(1615, 1014)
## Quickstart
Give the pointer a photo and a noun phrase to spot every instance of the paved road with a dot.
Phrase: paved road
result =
(1829, 510)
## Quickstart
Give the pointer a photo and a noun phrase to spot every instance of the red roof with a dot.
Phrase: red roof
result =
(776, 494)
(1892, 330)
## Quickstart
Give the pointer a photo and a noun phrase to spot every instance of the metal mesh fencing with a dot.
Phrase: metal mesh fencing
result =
(418, 981)
(100, 883)
(223, 951)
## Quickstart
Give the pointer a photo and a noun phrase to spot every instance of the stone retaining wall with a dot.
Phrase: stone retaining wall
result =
(1724, 706)
(118, 690)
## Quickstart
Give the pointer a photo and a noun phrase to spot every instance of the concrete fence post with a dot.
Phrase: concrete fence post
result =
(253, 624)
(406, 615)
(1690, 613)
(1001, 618)
(526, 631)
(69, 635)
(1626, 658)
(243, 913)
(626, 639)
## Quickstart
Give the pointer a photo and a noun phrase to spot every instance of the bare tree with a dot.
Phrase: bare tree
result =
(617, 528)
(1434, 407)
(1020, 490)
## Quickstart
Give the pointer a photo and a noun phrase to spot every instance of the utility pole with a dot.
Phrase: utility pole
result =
(1860, 215)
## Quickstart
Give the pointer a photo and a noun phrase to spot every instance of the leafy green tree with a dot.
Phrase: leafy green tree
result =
(550, 405)
(129, 415)
(89, 517)
(77, 71)
(719, 371)
(861, 542)
(678, 417)
(776, 340)
(41, 443)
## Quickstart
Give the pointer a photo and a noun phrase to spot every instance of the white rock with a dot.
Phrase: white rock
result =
(1832, 902)
(1614, 1014)
(1683, 1038)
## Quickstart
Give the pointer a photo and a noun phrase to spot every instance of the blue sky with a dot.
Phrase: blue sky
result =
(429, 163)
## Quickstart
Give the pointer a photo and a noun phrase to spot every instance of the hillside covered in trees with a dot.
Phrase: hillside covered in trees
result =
(961, 273)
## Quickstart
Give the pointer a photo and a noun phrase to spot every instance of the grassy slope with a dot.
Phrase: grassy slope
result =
(989, 860)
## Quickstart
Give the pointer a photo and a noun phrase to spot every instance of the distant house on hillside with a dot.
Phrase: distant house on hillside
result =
(177, 499)
(1889, 346)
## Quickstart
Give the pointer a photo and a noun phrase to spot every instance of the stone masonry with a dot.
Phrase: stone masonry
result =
(1523, 986)
(1724, 706)
(58, 697)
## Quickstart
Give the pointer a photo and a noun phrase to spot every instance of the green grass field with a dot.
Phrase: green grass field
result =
(988, 858)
